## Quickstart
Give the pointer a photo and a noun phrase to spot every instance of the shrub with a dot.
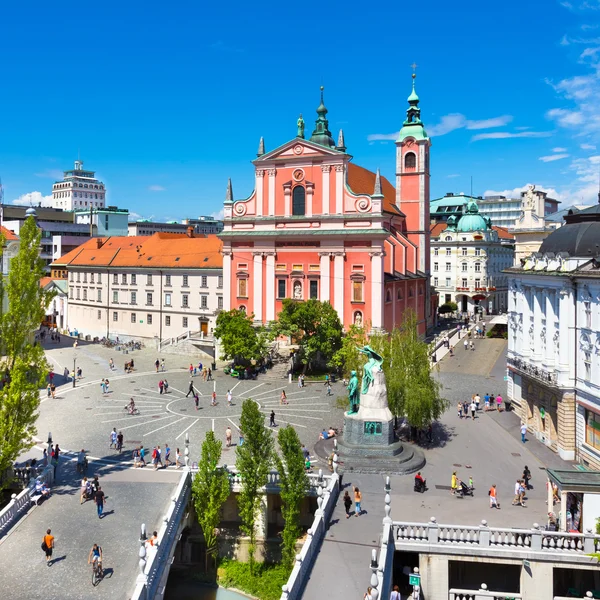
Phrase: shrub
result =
(265, 583)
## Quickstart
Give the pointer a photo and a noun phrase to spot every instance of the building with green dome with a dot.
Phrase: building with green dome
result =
(468, 255)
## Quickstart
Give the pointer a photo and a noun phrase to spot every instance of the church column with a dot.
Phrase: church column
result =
(326, 169)
(339, 189)
(270, 286)
(310, 190)
(377, 290)
(338, 284)
(287, 200)
(259, 192)
(227, 281)
(271, 174)
(325, 284)
(258, 286)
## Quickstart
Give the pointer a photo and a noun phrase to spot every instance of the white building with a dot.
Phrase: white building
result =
(554, 339)
(10, 249)
(78, 189)
(467, 260)
(160, 286)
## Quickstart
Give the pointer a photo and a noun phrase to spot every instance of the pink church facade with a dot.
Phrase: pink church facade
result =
(319, 226)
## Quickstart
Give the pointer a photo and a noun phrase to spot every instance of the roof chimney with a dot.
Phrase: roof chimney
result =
(190, 231)
(99, 242)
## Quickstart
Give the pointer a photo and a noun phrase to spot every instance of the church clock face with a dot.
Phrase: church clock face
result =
(298, 175)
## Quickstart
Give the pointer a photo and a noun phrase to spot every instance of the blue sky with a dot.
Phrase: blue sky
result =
(166, 101)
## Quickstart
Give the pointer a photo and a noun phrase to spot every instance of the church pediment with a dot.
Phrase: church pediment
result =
(297, 148)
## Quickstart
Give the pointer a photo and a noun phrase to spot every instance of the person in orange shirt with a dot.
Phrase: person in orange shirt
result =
(48, 545)
(493, 497)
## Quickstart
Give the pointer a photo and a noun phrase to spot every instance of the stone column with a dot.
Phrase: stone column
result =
(258, 186)
(537, 324)
(548, 343)
(563, 510)
(325, 284)
(339, 189)
(377, 290)
(549, 496)
(310, 190)
(271, 174)
(338, 284)
(564, 324)
(270, 286)
(258, 286)
(227, 281)
(326, 169)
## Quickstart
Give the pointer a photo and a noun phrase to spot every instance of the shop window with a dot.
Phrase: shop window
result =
(592, 429)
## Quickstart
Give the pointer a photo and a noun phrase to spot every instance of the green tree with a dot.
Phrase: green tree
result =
(23, 366)
(315, 325)
(253, 462)
(348, 358)
(239, 339)
(412, 391)
(210, 490)
(293, 484)
(448, 307)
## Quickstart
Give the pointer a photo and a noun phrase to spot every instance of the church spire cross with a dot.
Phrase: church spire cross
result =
(321, 134)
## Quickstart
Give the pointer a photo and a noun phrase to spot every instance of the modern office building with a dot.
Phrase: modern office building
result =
(207, 225)
(145, 227)
(10, 248)
(78, 189)
(108, 221)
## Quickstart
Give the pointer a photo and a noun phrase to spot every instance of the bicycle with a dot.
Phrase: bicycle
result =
(97, 572)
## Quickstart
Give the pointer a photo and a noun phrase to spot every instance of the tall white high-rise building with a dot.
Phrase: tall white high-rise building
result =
(78, 189)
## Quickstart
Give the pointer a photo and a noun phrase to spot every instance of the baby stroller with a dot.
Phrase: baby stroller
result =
(464, 490)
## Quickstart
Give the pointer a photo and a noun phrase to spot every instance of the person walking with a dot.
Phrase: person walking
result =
(119, 445)
(486, 401)
(357, 501)
(192, 370)
(190, 388)
(466, 344)
(209, 374)
(162, 365)
(53, 390)
(142, 456)
(167, 455)
(229, 397)
(103, 386)
(196, 400)
(136, 457)
(493, 497)
(299, 381)
(272, 419)
(48, 545)
(477, 401)
(228, 436)
(84, 490)
(499, 402)
(178, 459)
(472, 345)
(106, 385)
(459, 409)
(517, 496)
(395, 595)
(48, 390)
(113, 438)
(157, 364)
(55, 458)
(473, 408)
(283, 398)
(453, 483)
(526, 477)
(166, 386)
(523, 432)
(111, 364)
(329, 389)
(159, 457)
(161, 385)
(347, 503)
(99, 499)
(213, 398)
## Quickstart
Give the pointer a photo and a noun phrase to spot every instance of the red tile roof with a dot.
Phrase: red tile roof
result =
(9, 235)
(161, 250)
(362, 181)
(44, 281)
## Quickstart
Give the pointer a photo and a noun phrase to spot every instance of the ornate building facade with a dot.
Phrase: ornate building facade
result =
(554, 339)
(319, 226)
(468, 256)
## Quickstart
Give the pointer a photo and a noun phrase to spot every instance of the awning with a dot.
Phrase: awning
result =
(499, 320)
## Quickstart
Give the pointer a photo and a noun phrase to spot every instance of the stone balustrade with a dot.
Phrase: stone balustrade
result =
(482, 536)
(20, 503)
(482, 594)
(326, 499)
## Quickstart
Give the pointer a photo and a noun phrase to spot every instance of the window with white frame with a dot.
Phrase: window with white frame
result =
(463, 251)
(204, 281)
(435, 281)
(185, 300)
(99, 277)
(78, 277)
(463, 267)
(436, 251)
(115, 297)
(167, 321)
(167, 280)
(203, 301)
(124, 279)
(149, 279)
(70, 293)
(134, 280)
(477, 267)
(133, 297)
(99, 295)
(587, 307)
(185, 281)
(91, 278)
(167, 299)
(465, 283)
(85, 293)
(448, 282)
(587, 363)
(78, 294)
(184, 322)
(477, 251)
(149, 298)
(435, 266)
(116, 278)
(149, 319)
(115, 316)
(448, 267)
(99, 314)
(220, 302)
(448, 251)
(133, 318)
(220, 281)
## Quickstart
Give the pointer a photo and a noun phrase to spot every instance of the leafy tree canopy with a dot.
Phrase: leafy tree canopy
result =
(314, 325)
(239, 338)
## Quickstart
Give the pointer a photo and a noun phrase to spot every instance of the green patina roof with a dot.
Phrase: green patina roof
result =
(415, 130)
(472, 220)
(567, 479)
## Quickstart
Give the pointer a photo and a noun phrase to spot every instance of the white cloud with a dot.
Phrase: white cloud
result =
(447, 124)
(50, 174)
(516, 192)
(380, 137)
(553, 157)
(565, 118)
(33, 199)
(559, 149)
(218, 214)
(133, 216)
(501, 135)
(587, 146)
(156, 188)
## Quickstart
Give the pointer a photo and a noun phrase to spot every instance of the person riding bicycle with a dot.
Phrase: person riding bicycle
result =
(95, 556)
(131, 406)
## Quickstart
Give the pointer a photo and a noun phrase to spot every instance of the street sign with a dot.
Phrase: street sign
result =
(542, 413)
(414, 579)
(526, 564)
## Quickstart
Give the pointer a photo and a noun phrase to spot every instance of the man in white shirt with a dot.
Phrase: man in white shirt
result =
(523, 432)
(473, 408)
(477, 400)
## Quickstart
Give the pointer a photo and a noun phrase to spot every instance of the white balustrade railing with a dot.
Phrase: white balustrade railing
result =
(530, 540)
(481, 594)
(584, 597)
(326, 499)
(20, 503)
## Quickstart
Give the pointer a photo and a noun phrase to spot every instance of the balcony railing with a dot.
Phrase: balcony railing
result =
(534, 371)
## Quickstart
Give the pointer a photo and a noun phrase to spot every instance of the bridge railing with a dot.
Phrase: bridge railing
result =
(482, 536)
(20, 503)
(482, 594)
(326, 500)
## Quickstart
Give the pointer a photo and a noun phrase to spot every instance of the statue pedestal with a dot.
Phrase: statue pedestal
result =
(368, 443)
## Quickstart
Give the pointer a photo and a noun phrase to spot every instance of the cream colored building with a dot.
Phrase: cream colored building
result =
(160, 286)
